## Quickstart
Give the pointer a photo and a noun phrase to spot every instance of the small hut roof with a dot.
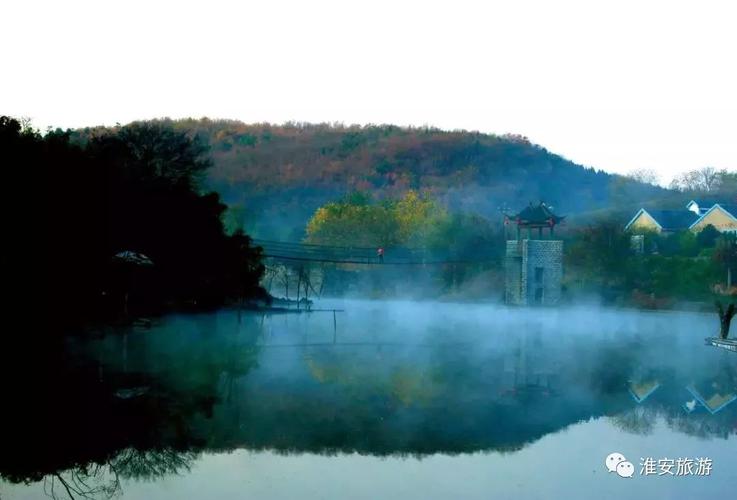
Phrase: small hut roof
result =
(132, 257)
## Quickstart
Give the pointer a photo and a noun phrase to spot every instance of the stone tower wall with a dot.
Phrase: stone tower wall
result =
(534, 272)
(513, 293)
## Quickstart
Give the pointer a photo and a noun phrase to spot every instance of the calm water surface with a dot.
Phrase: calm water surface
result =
(387, 400)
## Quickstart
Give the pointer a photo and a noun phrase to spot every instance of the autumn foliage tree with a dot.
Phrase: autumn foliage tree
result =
(283, 173)
(462, 245)
(358, 221)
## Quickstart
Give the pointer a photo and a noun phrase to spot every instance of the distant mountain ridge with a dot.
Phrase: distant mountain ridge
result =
(279, 174)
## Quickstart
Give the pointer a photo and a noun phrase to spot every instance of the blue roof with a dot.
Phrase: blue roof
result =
(673, 220)
(728, 399)
(677, 220)
(731, 208)
(707, 203)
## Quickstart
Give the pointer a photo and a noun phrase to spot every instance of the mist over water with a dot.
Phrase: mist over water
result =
(470, 396)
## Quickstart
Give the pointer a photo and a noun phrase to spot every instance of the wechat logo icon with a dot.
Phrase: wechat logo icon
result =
(615, 462)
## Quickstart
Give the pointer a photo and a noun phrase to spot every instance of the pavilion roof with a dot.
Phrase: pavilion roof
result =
(534, 215)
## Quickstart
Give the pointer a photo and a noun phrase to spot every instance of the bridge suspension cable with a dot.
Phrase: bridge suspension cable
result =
(397, 256)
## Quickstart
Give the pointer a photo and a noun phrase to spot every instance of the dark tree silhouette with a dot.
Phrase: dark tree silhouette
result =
(725, 318)
(134, 188)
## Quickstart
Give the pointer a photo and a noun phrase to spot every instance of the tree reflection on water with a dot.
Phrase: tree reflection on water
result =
(144, 405)
(103, 480)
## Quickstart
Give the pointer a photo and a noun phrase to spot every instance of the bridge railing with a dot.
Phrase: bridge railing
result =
(348, 254)
(359, 255)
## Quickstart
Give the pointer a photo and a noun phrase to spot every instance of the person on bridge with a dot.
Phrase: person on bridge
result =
(380, 254)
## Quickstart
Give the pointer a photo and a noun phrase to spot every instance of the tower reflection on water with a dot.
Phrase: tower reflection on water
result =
(148, 403)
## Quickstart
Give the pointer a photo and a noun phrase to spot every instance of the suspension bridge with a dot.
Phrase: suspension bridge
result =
(397, 256)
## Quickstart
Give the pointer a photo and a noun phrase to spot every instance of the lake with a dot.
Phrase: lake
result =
(406, 400)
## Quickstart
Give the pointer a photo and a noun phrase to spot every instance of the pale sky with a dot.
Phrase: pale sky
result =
(616, 85)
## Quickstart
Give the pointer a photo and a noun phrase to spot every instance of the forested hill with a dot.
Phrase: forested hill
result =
(277, 175)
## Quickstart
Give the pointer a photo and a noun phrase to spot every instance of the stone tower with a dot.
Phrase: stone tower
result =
(533, 267)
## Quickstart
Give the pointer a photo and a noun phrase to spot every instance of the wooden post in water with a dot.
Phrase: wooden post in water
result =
(299, 284)
(335, 327)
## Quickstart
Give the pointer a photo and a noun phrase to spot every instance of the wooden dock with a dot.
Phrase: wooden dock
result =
(728, 344)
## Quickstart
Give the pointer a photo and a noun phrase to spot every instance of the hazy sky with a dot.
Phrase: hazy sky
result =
(617, 85)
